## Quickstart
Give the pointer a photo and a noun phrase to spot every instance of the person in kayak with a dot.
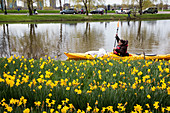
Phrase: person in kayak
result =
(121, 48)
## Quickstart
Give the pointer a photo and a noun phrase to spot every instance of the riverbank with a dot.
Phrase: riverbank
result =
(60, 18)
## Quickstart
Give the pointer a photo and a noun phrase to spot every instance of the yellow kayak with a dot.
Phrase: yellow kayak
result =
(111, 55)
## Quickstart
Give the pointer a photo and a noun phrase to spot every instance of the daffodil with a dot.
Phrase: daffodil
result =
(47, 100)
(49, 94)
(138, 108)
(119, 105)
(96, 110)
(51, 110)
(9, 109)
(168, 90)
(38, 103)
(147, 105)
(88, 108)
(59, 107)
(168, 108)
(156, 105)
(27, 110)
(148, 96)
(53, 102)
(163, 109)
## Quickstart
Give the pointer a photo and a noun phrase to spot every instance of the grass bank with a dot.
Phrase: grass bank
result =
(86, 86)
(50, 18)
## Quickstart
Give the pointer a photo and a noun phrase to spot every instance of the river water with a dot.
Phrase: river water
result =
(53, 39)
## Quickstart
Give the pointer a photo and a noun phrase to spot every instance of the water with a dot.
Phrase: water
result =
(53, 39)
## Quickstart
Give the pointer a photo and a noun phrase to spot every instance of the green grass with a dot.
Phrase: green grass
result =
(49, 18)
(153, 16)
(165, 10)
(38, 18)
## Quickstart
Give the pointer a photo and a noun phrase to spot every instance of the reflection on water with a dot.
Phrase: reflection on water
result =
(38, 40)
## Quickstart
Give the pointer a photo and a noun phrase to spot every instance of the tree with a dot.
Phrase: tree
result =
(87, 3)
(30, 6)
(60, 5)
(2, 6)
(142, 3)
(5, 8)
(147, 4)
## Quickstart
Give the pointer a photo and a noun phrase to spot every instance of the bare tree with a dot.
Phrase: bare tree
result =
(2, 5)
(60, 5)
(88, 3)
(30, 6)
(141, 3)
(5, 8)
(85, 5)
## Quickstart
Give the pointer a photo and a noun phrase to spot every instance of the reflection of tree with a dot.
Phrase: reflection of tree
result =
(139, 37)
(128, 22)
(86, 30)
(59, 44)
(89, 39)
(142, 40)
(34, 44)
(8, 39)
(5, 42)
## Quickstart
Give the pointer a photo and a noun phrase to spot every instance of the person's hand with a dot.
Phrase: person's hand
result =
(114, 48)
(116, 35)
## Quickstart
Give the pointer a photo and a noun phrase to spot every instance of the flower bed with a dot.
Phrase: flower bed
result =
(28, 85)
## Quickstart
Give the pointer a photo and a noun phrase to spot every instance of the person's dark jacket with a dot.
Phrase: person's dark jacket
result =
(121, 50)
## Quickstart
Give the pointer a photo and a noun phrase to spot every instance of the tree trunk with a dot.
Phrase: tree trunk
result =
(60, 5)
(89, 4)
(50, 3)
(140, 5)
(85, 5)
(5, 8)
(32, 5)
(2, 6)
(29, 6)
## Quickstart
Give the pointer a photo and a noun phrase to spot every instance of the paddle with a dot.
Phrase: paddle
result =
(116, 32)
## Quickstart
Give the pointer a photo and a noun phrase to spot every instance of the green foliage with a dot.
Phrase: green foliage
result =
(134, 79)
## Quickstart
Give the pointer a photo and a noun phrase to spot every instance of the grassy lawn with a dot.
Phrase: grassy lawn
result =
(165, 10)
(77, 17)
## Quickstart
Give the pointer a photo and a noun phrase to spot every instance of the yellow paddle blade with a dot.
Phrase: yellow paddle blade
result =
(118, 24)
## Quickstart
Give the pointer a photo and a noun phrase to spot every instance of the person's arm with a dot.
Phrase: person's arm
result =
(117, 38)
